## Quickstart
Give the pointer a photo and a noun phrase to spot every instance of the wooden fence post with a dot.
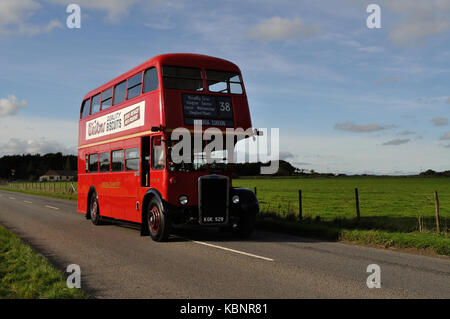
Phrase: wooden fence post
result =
(436, 199)
(357, 204)
(300, 205)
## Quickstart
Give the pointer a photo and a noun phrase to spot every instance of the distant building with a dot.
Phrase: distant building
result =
(55, 175)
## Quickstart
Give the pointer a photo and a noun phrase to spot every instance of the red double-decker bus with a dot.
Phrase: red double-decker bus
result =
(125, 166)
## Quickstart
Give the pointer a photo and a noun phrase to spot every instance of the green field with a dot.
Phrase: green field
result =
(389, 203)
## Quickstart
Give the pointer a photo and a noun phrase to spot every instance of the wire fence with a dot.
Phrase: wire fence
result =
(67, 188)
(404, 212)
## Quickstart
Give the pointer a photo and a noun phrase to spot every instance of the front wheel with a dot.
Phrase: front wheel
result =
(245, 226)
(158, 223)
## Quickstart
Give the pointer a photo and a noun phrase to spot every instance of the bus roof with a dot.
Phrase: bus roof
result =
(176, 59)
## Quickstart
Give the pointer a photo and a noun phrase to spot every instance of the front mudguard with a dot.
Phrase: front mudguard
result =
(248, 203)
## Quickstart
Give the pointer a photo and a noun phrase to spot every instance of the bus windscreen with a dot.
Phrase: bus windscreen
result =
(182, 78)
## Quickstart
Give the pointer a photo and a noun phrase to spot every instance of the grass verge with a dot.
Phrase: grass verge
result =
(39, 193)
(436, 243)
(24, 274)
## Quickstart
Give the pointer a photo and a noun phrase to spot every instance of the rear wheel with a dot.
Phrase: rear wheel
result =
(158, 223)
(94, 209)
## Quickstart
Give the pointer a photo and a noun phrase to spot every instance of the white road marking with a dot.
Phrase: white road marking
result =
(233, 250)
(12, 198)
(28, 202)
(52, 207)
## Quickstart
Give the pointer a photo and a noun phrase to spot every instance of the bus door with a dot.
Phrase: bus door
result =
(158, 162)
(145, 161)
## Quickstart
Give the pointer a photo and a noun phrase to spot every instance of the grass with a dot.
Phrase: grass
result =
(388, 203)
(395, 211)
(24, 274)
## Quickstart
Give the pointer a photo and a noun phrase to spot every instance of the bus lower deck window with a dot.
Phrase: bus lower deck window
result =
(104, 162)
(158, 153)
(117, 161)
(93, 163)
(132, 159)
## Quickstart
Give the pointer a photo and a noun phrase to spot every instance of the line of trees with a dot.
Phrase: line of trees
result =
(30, 166)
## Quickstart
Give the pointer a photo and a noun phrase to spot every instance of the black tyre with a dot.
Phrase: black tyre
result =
(246, 225)
(94, 209)
(158, 223)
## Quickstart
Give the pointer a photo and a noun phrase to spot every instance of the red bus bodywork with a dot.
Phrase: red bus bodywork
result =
(121, 194)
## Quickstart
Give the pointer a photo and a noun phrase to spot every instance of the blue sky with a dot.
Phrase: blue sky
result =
(346, 98)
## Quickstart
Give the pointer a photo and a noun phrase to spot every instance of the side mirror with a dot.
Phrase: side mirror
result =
(157, 140)
(155, 129)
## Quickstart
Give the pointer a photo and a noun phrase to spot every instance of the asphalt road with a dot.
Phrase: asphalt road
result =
(116, 262)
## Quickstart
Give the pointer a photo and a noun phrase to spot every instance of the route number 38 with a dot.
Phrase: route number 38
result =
(225, 106)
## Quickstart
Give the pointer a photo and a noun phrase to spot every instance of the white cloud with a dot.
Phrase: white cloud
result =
(397, 142)
(440, 121)
(20, 134)
(277, 28)
(12, 12)
(14, 16)
(15, 146)
(36, 29)
(286, 155)
(446, 136)
(373, 49)
(115, 9)
(11, 105)
(419, 20)
(406, 132)
(360, 153)
(356, 128)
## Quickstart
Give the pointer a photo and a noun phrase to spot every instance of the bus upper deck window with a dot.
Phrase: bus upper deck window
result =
(150, 80)
(224, 82)
(182, 78)
(134, 86)
(106, 99)
(85, 108)
(95, 107)
(119, 92)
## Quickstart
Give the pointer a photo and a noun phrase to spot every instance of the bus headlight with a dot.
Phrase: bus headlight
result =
(235, 199)
(183, 200)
